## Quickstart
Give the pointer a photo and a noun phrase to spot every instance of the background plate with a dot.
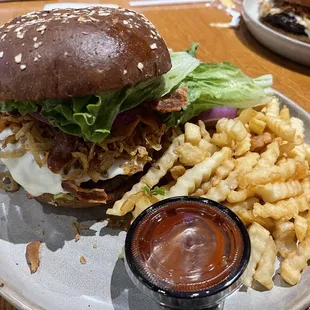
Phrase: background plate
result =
(102, 283)
(281, 44)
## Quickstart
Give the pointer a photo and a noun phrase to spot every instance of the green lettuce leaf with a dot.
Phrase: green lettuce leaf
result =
(220, 84)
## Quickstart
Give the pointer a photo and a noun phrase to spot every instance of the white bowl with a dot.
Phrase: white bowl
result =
(281, 44)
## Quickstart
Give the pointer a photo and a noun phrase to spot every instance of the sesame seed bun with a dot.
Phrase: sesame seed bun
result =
(67, 53)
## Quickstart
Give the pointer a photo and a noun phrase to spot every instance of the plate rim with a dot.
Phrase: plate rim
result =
(16, 298)
(258, 23)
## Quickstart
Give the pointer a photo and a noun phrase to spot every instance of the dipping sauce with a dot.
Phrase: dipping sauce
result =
(187, 253)
(187, 246)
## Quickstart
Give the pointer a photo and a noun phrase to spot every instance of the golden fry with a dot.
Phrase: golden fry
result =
(246, 115)
(273, 108)
(292, 266)
(283, 209)
(284, 237)
(273, 192)
(189, 155)
(285, 113)
(192, 133)
(257, 126)
(259, 237)
(177, 171)
(301, 227)
(193, 177)
(266, 265)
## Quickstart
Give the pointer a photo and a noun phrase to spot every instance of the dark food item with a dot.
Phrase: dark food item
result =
(115, 188)
(286, 22)
(172, 102)
(47, 50)
(60, 154)
(289, 17)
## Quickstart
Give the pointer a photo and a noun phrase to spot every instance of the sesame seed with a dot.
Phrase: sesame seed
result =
(39, 56)
(36, 59)
(140, 66)
(42, 27)
(104, 13)
(125, 22)
(66, 53)
(10, 26)
(37, 45)
(35, 39)
(84, 32)
(20, 35)
(154, 46)
(42, 32)
(56, 14)
(1, 54)
(23, 67)
(3, 36)
(44, 15)
(125, 72)
(18, 29)
(18, 58)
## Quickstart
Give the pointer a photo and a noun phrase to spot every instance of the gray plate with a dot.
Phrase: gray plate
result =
(102, 283)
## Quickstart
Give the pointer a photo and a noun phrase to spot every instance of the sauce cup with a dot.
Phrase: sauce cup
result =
(187, 253)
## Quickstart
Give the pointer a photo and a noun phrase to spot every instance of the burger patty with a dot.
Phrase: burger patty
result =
(115, 189)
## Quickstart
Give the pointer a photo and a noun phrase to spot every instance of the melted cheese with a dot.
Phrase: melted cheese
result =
(37, 181)
(112, 172)
(26, 172)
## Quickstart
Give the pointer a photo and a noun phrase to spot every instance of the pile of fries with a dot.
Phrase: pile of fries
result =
(258, 166)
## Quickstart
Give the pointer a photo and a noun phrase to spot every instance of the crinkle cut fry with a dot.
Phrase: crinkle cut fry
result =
(273, 108)
(150, 179)
(292, 266)
(221, 191)
(281, 128)
(270, 156)
(283, 209)
(193, 177)
(265, 269)
(233, 128)
(273, 192)
(259, 237)
(284, 237)
(283, 172)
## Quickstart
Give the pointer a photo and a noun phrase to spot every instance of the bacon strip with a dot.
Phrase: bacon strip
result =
(173, 102)
(90, 195)
(60, 154)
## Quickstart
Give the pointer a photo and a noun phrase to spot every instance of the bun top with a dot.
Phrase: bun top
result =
(67, 53)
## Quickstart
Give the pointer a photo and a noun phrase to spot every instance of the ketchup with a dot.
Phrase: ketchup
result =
(187, 246)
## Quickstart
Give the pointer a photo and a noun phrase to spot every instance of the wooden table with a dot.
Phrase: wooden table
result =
(183, 24)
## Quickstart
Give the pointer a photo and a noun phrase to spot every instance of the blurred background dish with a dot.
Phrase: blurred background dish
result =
(282, 44)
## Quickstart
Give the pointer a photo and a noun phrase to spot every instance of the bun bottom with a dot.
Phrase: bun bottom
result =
(303, 38)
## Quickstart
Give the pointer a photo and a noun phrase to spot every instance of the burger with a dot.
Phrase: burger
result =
(291, 17)
(87, 97)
